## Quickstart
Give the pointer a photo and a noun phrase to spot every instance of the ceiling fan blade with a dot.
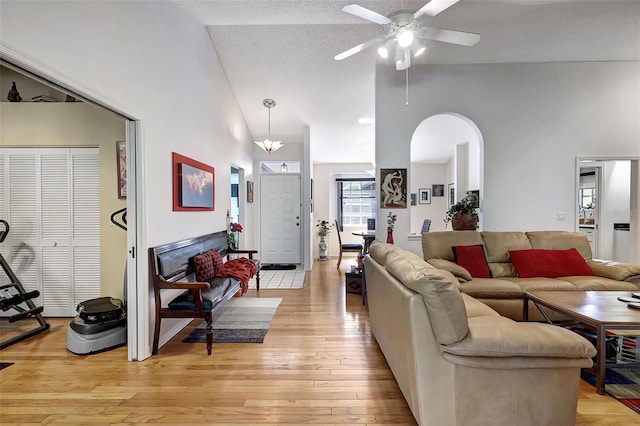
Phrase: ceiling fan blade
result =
(360, 47)
(449, 36)
(364, 13)
(434, 7)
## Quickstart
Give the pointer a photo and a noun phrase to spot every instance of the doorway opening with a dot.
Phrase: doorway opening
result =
(607, 206)
(447, 162)
(53, 106)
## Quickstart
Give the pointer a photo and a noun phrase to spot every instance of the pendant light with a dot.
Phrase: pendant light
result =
(267, 144)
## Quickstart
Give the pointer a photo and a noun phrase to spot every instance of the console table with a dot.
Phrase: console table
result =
(600, 309)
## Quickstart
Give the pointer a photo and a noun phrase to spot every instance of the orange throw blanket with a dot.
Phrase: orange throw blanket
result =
(241, 269)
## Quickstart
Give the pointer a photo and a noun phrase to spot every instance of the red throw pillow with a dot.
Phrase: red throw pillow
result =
(203, 265)
(472, 259)
(217, 259)
(549, 263)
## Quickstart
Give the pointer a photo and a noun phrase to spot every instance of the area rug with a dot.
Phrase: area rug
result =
(278, 267)
(4, 365)
(240, 320)
(621, 383)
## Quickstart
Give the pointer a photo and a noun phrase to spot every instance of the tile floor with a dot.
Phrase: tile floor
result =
(293, 278)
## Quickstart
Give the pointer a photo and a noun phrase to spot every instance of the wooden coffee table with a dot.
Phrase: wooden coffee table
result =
(599, 309)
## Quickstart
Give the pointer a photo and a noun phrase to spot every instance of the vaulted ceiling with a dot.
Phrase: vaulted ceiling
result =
(284, 49)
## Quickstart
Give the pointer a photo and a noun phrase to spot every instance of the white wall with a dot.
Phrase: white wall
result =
(535, 118)
(423, 176)
(155, 63)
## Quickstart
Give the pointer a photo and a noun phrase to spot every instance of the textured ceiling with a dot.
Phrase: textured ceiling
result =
(284, 50)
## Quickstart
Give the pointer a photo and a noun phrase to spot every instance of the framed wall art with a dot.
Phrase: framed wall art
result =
(452, 194)
(393, 189)
(438, 190)
(424, 196)
(121, 162)
(249, 191)
(193, 185)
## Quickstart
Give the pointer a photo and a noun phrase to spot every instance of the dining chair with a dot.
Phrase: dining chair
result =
(426, 224)
(349, 247)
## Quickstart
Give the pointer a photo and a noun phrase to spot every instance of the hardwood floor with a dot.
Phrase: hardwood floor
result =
(319, 364)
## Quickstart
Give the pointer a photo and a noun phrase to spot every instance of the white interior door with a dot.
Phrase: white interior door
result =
(280, 219)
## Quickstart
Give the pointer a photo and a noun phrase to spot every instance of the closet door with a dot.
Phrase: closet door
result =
(23, 208)
(85, 224)
(52, 196)
(55, 213)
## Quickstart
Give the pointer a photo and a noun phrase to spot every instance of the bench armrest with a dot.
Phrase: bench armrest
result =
(615, 270)
(239, 251)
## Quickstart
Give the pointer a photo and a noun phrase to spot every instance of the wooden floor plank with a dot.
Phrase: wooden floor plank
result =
(319, 364)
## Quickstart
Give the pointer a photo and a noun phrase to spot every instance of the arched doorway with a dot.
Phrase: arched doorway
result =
(447, 150)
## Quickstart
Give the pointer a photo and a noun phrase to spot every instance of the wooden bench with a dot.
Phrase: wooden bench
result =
(172, 268)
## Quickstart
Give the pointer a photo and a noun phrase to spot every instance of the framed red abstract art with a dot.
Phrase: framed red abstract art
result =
(193, 185)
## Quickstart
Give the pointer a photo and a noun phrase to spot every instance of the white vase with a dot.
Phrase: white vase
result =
(323, 249)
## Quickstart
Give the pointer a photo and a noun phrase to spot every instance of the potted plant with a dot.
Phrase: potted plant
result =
(463, 215)
(324, 229)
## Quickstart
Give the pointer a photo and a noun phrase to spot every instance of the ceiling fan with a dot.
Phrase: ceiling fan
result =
(402, 28)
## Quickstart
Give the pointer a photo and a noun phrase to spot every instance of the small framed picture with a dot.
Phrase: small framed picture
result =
(414, 198)
(438, 190)
(452, 194)
(121, 159)
(249, 191)
(424, 196)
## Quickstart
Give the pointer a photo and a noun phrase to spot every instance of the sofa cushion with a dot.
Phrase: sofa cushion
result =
(493, 336)
(379, 251)
(203, 267)
(472, 258)
(542, 284)
(438, 244)
(498, 244)
(560, 240)
(440, 294)
(475, 308)
(583, 283)
(549, 263)
(458, 271)
(487, 288)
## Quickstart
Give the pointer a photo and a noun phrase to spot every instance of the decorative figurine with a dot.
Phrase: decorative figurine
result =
(14, 95)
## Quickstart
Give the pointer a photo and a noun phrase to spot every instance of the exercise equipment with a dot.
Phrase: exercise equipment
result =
(13, 296)
(101, 323)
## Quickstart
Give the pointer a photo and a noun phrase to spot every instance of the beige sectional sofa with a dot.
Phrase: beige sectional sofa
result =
(503, 291)
(457, 361)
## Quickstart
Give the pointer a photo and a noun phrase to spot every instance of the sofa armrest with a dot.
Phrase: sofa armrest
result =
(458, 271)
(615, 270)
(501, 337)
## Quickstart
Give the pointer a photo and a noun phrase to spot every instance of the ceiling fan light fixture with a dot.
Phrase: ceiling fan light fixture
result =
(383, 52)
(420, 51)
(267, 144)
(405, 38)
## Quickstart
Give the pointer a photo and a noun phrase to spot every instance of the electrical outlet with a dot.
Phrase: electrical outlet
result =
(562, 216)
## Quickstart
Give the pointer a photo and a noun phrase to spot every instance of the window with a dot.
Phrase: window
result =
(587, 198)
(356, 201)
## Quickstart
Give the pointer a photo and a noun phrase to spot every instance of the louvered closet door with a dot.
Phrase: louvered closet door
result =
(52, 199)
(85, 224)
(56, 293)
(23, 210)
